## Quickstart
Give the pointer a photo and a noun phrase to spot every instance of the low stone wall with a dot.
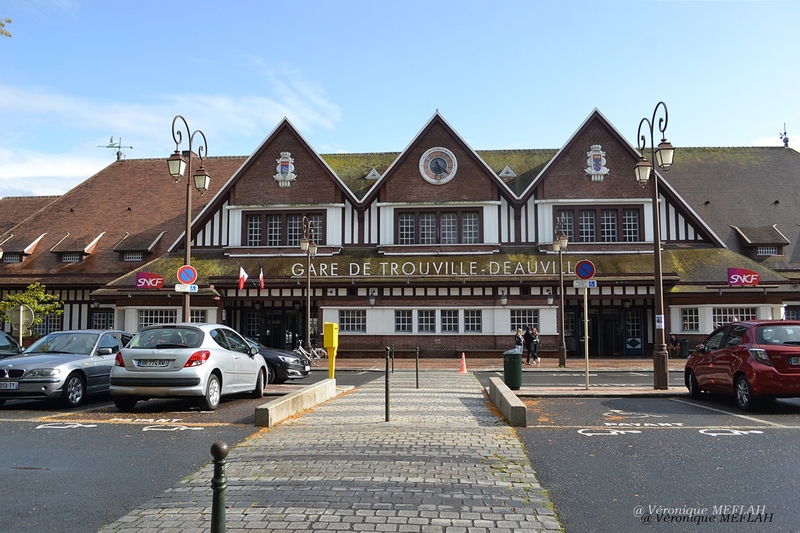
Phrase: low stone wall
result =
(507, 402)
(282, 408)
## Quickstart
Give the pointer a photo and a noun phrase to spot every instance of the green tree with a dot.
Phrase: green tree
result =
(35, 297)
(3, 30)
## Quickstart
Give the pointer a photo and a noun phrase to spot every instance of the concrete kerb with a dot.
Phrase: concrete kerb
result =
(282, 408)
(508, 403)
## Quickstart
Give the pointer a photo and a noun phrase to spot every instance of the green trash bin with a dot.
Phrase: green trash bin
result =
(512, 369)
(684, 349)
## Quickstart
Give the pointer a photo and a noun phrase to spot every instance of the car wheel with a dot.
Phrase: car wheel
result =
(744, 394)
(74, 390)
(213, 389)
(271, 374)
(125, 403)
(694, 389)
(258, 392)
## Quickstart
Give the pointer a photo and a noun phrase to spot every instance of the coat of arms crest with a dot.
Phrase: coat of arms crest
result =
(285, 169)
(597, 163)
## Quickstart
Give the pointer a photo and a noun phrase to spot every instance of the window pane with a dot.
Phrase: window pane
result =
(426, 321)
(630, 225)
(274, 230)
(353, 320)
(319, 233)
(294, 226)
(567, 222)
(253, 230)
(587, 226)
(427, 228)
(403, 321)
(472, 320)
(691, 319)
(471, 230)
(608, 225)
(148, 317)
(723, 315)
(449, 320)
(406, 228)
(449, 228)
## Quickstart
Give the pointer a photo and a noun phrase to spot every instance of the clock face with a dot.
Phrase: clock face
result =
(438, 166)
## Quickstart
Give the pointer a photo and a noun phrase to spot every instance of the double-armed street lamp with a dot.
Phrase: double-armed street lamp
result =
(309, 246)
(560, 246)
(177, 166)
(663, 157)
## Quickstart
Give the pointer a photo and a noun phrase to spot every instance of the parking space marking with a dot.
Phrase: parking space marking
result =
(728, 432)
(745, 417)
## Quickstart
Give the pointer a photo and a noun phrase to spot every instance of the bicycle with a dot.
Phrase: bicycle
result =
(313, 356)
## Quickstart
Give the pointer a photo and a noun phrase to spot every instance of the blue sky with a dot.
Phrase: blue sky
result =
(365, 76)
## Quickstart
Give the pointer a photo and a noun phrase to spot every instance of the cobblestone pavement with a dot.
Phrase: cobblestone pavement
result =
(444, 463)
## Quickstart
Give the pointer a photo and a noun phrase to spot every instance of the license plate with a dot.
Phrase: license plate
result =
(308, 368)
(9, 385)
(162, 363)
(794, 361)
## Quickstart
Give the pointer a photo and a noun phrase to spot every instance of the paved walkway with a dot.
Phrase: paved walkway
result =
(444, 463)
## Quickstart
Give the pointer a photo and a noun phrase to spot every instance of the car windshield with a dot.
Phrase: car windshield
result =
(167, 338)
(66, 343)
(778, 334)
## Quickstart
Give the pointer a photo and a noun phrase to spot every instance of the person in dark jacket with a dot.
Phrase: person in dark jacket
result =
(518, 340)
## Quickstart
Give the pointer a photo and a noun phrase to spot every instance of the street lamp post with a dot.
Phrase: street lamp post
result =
(309, 246)
(560, 245)
(663, 157)
(177, 165)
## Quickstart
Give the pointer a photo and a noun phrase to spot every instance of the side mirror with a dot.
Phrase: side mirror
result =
(105, 351)
(700, 348)
(253, 351)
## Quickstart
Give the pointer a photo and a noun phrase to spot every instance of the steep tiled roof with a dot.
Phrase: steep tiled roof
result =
(133, 197)
(526, 164)
(752, 187)
(354, 168)
(15, 209)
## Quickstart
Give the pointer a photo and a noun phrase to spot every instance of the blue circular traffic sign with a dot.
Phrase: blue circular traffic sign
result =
(584, 269)
(187, 274)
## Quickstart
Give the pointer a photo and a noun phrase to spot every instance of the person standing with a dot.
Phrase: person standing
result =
(536, 342)
(518, 340)
(528, 341)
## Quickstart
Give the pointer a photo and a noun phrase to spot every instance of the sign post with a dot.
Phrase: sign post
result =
(22, 319)
(585, 271)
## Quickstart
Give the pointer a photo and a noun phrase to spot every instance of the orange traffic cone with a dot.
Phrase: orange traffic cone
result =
(463, 369)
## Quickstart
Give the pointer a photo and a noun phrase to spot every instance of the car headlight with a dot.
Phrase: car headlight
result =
(760, 356)
(290, 360)
(42, 372)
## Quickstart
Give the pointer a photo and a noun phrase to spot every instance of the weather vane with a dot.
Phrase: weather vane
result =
(784, 137)
(118, 146)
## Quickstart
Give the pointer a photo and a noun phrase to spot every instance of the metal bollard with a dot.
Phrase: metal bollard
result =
(387, 384)
(417, 366)
(219, 450)
(392, 358)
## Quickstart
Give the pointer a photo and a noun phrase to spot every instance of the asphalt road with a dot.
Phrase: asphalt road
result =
(74, 471)
(668, 464)
(578, 378)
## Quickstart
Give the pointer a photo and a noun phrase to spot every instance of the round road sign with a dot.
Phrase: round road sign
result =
(187, 274)
(584, 269)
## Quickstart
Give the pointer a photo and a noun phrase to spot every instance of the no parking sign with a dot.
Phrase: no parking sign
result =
(584, 269)
(187, 274)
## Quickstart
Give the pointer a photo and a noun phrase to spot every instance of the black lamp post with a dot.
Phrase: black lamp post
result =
(309, 246)
(559, 246)
(177, 165)
(663, 156)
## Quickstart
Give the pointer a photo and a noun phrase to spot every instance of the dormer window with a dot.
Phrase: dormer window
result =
(12, 258)
(765, 251)
(71, 257)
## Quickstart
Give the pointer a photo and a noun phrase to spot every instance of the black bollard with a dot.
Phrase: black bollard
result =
(417, 366)
(387, 384)
(219, 451)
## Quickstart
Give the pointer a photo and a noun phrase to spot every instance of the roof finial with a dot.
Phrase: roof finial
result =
(784, 137)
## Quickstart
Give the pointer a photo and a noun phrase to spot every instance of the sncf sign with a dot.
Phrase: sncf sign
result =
(740, 276)
(148, 280)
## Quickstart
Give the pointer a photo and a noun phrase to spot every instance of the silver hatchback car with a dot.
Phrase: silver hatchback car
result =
(178, 360)
(64, 365)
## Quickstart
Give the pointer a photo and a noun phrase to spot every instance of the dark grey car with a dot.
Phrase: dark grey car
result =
(63, 366)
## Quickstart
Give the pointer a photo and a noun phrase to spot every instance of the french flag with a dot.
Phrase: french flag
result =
(260, 276)
(242, 277)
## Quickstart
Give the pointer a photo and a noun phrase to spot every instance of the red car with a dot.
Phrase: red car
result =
(752, 360)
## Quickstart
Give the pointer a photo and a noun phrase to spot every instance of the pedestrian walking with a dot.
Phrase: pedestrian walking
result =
(518, 340)
(527, 339)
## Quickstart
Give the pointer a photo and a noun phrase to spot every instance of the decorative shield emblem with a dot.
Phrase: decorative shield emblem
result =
(285, 169)
(596, 163)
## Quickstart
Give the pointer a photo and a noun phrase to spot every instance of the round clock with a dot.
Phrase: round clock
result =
(438, 165)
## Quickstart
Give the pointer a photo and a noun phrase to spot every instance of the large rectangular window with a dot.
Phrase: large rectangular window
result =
(473, 321)
(522, 318)
(279, 229)
(354, 320)
(691, 319)
(449, 320)
(723, 315)
(616, 224)
(50, 324)
(403, 322)
(148, 317)
(438, 227)
(426, 321)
